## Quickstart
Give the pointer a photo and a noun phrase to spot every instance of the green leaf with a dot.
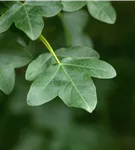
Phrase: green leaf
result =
(38, 66)
(44, 88)
(71, 81)
(78, 52)
(73, 88)
(71, 6)
(13, 52)
(28, 17)
(74, 24)
(94, 67)
(7, 78)
(102, 10)
(12, 55)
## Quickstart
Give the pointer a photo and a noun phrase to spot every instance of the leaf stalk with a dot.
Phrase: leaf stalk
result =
(48, 46)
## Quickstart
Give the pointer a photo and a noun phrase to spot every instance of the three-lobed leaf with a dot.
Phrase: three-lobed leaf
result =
(75, 89)
(71, 81)
(28, 16)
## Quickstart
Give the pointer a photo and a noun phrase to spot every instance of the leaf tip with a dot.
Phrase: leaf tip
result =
(30, 101)
(28, 76)
(92, 108)
(112, 21)
(113, 73)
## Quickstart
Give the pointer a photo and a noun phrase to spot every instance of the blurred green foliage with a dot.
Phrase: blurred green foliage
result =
(54, 126)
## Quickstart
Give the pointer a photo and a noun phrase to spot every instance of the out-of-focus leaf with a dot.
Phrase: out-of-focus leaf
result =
(74, 24)
(12, 55)
(7, 78)
(73, 5)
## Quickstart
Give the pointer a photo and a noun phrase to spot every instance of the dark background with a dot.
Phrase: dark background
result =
(54, 126)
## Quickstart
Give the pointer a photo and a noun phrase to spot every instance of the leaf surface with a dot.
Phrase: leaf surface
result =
(77, 89)
(44, 88)
(7, 78)
(46, 8)
(94, 67)
(13, 52)
(71, 81)
(8, 17)
(38, 66)
(28, 22)
(77, 52)
(102, 10)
